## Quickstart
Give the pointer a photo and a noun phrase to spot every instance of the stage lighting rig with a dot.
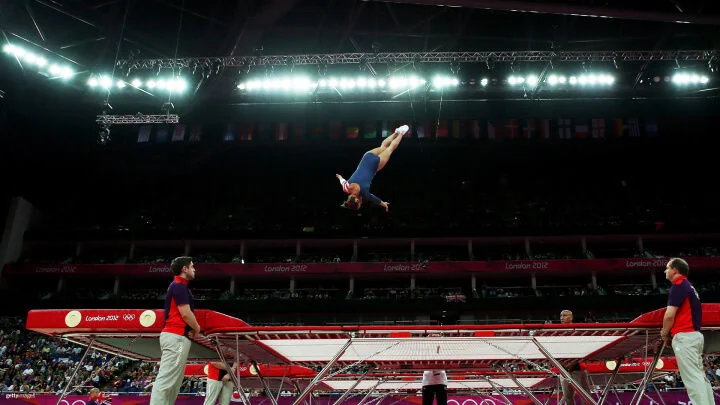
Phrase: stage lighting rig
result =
(138, 118)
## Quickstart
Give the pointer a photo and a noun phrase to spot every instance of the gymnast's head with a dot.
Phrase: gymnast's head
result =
(352, 203)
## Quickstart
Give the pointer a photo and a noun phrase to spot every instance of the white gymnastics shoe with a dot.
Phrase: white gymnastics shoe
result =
(402, 130)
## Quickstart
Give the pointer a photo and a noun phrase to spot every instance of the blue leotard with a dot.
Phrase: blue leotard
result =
(364, 175)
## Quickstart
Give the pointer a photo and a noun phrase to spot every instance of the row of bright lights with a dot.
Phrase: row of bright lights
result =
(305, 84)
(554, 80)
(177, 84)
(689, 78)
(40, 61)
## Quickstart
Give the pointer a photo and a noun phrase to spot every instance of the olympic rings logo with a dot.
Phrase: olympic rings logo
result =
(77, 402)
(129, 317)
(483, 401)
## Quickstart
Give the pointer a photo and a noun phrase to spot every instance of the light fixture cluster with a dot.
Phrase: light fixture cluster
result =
(559, 80)
(39, 61)
(170, 84)
(304, 84)
(683, 78)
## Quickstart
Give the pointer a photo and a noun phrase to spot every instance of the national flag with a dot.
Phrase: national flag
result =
(582, 130)
(369, 130)
(564, 131)
(247, 131)
(492, 130)
(229, 135)
(545, 128)
(162, 134)
(179, 133)
(618, 127)
(441, 129)
(598, 128)
(651, 127)
(318, 130)
(633, 127)
(352, 132)
(512, 128)
(385, 131)
(475, 129)
(458, 129)
(299, 130)
(195, 133)
(335, 129)
(423, 130)
(529, 129)
(144, 133)
(281, 131)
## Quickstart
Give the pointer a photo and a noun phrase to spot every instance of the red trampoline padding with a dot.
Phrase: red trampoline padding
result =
(268, 371)
(117, 321)
(710, 316)
(634, 365)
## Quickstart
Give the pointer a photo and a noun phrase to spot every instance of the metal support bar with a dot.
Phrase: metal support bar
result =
(370, 391)
(522, 387)
(263, 382)
(648, 374)
(236, 381)
(422, 57)
(30, 12)
(349, 390)
(322, 373)
(498, 390)
(657, 392)
(579, 9)
(72, 377)
(610, 382)
(580, 390)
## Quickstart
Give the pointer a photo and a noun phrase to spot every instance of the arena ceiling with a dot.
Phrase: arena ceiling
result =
(93, 35)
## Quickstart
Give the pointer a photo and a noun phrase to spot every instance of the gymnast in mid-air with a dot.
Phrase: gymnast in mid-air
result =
(358, 185)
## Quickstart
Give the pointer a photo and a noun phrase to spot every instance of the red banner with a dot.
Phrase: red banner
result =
(502, 266)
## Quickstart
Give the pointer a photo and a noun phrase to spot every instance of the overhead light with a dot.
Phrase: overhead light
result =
(30, 58)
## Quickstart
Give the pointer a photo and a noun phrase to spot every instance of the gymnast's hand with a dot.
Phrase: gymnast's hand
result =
(385, 205)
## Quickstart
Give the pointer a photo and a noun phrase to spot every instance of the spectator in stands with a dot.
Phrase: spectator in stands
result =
(175, 339)
(566, 316)
(681, 327)
(95, 397)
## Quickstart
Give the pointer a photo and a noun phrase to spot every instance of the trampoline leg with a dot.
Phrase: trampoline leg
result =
(648, 374)
(610, 382)
(499, 391)
(63, 394)
(240, 390)
(586, 397)
(322, 373)
(522, 387)
(264, 383)
(346, 393)
(370, 391)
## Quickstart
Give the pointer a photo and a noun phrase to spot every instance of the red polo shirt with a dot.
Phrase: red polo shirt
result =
(177, 294)
(689, 315)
